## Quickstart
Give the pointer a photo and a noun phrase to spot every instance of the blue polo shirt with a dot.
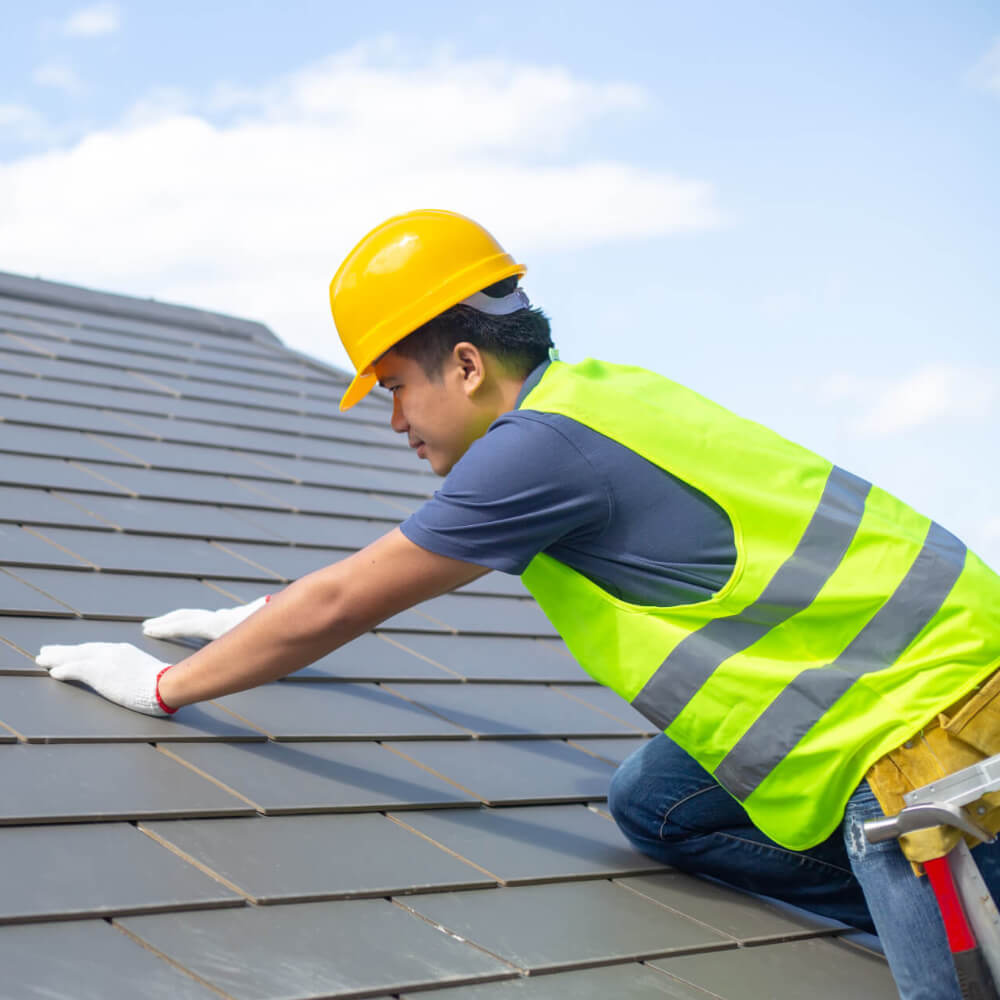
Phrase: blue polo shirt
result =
(542, 482)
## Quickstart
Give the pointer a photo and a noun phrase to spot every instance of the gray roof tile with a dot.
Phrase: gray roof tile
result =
(26, 636)
(508, 710)
(22, 547)
(744, 917)
(90, 959)
(126, 872)
(158, 517)
(312, 950)
(38, 710)
(291, 859)
(520, 845)
(322, 711)
(630, 981)
(786, 972)
(286, 561)
(496, 658)
(548, 927)
(120, 595)
(57, 784)
(19, 598)
(17, 438)
(372, 658)
(115, 551)
(319, 777)
(515, 772)
(19, 505)
(613, 751)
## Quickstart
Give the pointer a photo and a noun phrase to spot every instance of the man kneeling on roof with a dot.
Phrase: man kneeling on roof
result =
(787, 625)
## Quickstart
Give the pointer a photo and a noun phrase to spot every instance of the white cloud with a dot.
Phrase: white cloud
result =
(248, 205)
(992, 530)
(19, 119)
(58, 76)
(986, 73)
(90, 22)
(932, 393)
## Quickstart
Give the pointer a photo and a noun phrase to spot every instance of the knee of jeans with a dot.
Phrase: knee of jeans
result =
(620, 793)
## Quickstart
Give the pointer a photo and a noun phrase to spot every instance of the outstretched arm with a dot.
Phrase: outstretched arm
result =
(315, 615)
(305, 621)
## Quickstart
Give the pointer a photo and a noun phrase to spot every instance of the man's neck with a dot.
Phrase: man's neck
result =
(529, 382)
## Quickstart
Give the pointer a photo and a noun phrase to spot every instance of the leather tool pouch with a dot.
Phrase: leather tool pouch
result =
(965, 733)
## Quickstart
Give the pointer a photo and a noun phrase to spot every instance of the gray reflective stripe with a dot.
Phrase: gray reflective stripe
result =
(916, 600)
(792, 588)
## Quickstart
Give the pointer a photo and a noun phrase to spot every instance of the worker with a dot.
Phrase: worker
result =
(787, 625)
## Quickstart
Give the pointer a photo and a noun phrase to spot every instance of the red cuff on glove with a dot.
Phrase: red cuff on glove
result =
(166, 708)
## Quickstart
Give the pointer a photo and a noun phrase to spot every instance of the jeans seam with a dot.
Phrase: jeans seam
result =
(679, 803)
(777, 848)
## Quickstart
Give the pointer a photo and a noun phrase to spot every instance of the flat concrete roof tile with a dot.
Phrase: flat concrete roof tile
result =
(313, 950)
(90, 959)
(515, 772)
(549, 927)
(816, 968)
(747, 918)
(125, 872)
(17, 597)
(27, 635)
(276, 859)
(630, 981)
(370, 657)
(58, 784)
(614, 751)
(323, 711)
(524, 844)
(159, 517)
(151, 554)
(504, 710)
(120, 595)
(319, 777)
(25, 548)
(42, 710)
(496, 658)
(36, 506)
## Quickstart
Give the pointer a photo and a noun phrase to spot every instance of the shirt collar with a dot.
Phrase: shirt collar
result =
(534, 377)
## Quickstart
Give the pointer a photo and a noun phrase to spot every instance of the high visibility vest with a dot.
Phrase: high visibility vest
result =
(849, 620)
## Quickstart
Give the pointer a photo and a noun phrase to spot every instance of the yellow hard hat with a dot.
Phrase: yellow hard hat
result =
(403, 273)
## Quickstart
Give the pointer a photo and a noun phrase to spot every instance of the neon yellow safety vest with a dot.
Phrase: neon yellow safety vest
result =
(849, 620)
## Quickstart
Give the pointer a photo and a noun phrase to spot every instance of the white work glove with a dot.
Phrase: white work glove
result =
(116, 670)
(196, 623)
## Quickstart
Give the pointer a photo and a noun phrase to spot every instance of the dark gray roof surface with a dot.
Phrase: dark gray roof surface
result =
(419, 811)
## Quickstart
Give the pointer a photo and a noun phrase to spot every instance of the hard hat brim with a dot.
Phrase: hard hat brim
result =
(360, 386)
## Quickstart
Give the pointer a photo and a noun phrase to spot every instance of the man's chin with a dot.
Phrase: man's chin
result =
(440, 465)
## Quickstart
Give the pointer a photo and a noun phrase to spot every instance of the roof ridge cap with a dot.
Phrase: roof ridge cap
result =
(57, 293)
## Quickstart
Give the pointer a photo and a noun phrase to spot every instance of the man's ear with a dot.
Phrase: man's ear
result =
(468, 360)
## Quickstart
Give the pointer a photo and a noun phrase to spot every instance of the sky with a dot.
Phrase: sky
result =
(791, 207)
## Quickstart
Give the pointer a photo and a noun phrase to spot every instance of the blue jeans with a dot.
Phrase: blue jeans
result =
(672, 809)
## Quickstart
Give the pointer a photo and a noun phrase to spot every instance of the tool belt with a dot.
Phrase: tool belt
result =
(965, 733)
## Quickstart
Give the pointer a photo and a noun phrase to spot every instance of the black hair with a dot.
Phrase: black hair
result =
(520, 341)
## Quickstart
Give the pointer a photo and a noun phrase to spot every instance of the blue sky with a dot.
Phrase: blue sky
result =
(791, 207)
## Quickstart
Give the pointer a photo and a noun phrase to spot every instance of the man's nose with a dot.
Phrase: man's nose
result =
(398, 423)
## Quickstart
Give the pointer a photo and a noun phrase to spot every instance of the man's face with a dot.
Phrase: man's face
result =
(440, 416)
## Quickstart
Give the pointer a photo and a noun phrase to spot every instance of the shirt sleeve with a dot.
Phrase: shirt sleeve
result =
(519, 489)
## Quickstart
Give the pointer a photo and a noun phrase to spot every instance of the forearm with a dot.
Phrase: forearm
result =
(307, 620)
(297, 626)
